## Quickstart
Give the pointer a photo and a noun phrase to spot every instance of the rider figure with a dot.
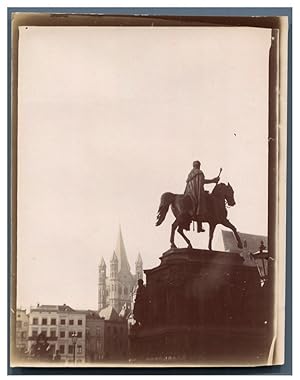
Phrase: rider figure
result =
(195, 189)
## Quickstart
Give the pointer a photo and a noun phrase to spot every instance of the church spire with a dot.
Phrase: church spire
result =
(120, 251)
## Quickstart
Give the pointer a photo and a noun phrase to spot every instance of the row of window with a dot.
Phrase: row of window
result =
(35, 321)
(21, 335)
(62, 349)
(62, 334)
(20, 324)
(115, 287)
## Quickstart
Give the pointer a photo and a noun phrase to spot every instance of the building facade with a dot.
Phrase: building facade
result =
(116, 288)
(22, 321)
(58, 323)
(251, 244)
(106, 336)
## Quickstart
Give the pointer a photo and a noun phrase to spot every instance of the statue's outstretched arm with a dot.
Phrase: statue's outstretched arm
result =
(214, 180)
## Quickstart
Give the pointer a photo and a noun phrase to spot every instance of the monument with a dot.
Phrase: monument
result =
(202, 307)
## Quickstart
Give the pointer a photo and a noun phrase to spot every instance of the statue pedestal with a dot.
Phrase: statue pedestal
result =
(205, 307)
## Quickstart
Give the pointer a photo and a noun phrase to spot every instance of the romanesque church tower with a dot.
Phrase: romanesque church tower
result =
(116, 289)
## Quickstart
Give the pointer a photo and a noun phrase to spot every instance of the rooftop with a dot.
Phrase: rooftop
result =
(109, 314)
(250, 241)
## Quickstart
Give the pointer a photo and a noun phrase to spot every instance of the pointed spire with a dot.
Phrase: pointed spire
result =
(121, 253)
(139, 259)
(114, 258)
(102, 262)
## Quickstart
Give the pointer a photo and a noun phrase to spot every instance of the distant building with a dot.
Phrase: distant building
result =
(106, 336)
(116, 290)
(251, 244)
(22, 321)
(58, 323)
(250, 241)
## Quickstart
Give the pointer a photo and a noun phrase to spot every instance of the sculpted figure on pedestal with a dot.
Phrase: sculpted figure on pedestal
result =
(199, 206)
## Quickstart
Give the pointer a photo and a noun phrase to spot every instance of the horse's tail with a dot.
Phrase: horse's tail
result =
(165, 201)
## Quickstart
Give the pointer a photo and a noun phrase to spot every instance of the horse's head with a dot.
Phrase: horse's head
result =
(229, 195)
(225, 192)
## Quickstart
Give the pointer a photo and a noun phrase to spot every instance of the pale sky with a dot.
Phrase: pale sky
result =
(111, 118)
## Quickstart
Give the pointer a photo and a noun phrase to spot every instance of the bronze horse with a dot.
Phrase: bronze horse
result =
(182, 208)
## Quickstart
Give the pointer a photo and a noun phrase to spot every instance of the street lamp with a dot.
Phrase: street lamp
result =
(261, 258)
(74, 341)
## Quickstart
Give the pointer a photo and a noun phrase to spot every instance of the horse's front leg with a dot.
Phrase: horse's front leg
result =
(226, 223)
(173, 228)
(180, 231)
(211, 234)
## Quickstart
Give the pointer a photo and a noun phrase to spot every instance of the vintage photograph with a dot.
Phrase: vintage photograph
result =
(148, 209)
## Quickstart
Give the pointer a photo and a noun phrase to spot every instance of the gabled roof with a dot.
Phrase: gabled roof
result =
(91, 314)
(123, 264)
(252, 241)
(65, 308)
(109, 314)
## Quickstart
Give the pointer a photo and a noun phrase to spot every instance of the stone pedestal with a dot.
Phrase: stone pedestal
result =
(204, 307)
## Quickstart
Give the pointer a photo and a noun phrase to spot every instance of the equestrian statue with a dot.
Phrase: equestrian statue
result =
(198, 205)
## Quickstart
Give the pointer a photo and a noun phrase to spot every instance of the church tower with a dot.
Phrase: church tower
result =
(102, 285)
(139, 268)
(116, 289)
(113, 283)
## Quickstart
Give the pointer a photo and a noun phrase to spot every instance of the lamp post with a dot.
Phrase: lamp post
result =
(261, 258)
(74, 341)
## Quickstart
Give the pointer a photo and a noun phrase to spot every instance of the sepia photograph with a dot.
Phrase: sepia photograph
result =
(149, 170)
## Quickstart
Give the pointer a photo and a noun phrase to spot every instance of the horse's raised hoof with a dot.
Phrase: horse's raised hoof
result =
(240, 245)
(173, 246)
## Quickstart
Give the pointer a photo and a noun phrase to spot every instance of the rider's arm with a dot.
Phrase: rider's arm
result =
(214, 180)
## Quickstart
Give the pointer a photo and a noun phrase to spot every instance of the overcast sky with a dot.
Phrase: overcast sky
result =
(111, 118)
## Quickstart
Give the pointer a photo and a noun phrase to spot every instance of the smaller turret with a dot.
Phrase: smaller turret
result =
(102, 285)
(139, 267)
(102, 270)
(114, 285)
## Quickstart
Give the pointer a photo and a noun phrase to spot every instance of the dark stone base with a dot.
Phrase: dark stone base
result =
(204, 307)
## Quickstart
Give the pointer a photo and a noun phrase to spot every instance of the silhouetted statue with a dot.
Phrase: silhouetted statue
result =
(183, 207)
(195, 189)
(262, 247)
(141, 303)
